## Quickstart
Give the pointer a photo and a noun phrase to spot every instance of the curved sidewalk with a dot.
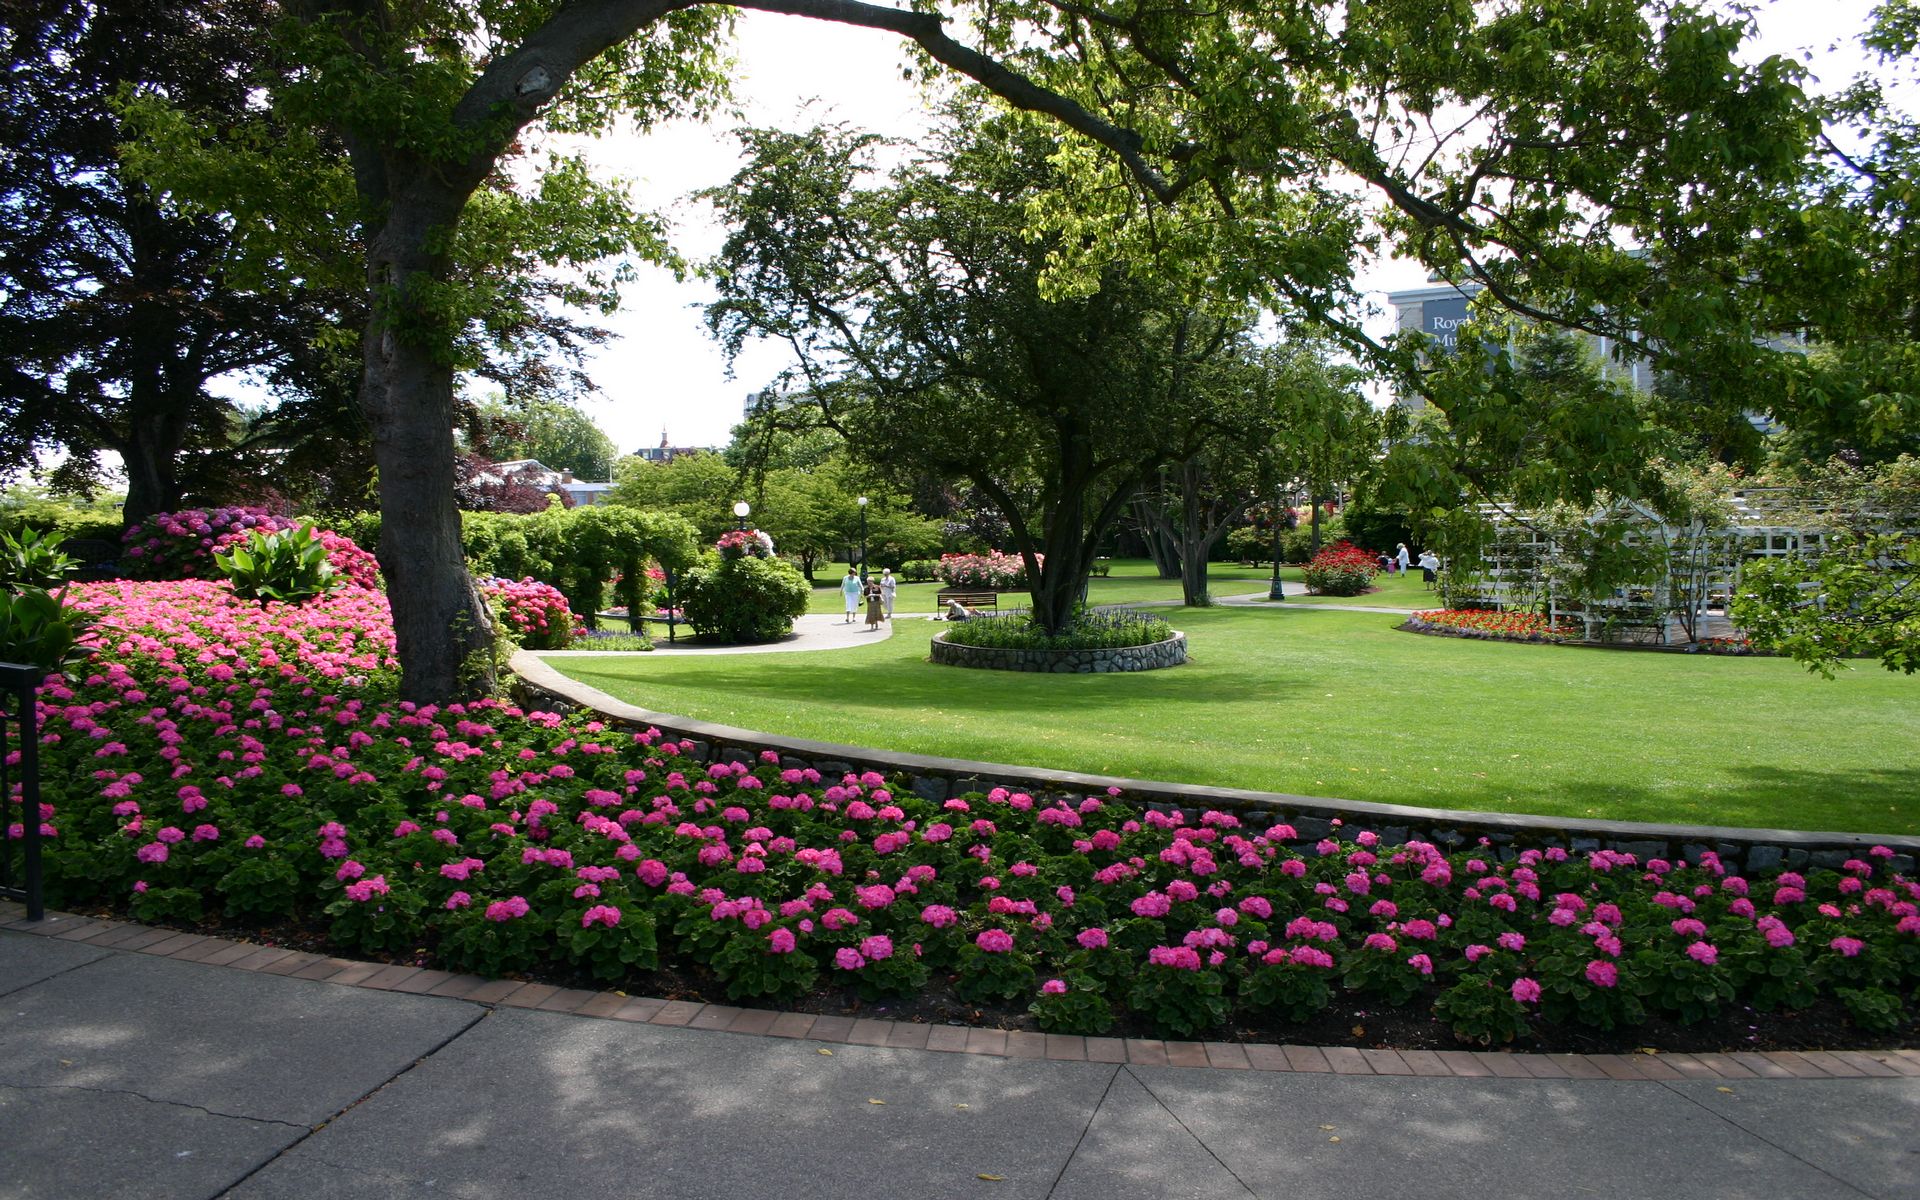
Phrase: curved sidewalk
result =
(813, 631)
(131, 1063)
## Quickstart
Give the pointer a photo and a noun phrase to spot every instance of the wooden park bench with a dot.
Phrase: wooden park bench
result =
(972, 601)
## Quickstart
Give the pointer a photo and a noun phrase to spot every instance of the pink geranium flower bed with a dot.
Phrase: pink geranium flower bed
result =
(226, 758)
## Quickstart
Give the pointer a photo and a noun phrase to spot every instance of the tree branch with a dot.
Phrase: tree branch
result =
(926, 30)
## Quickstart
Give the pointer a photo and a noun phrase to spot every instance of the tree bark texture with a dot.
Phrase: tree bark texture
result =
(443, 634)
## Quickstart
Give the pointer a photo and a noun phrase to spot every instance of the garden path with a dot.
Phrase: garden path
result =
(145, 1062)
(1260, 600)
(815, 631)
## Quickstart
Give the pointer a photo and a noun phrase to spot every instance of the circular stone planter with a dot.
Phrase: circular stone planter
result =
(1151, 657)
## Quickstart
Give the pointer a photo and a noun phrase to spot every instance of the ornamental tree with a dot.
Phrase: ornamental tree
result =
(919, 314)
(1278, 417)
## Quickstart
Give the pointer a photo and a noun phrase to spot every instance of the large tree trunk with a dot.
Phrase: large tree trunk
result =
(1075, 521)
(443, 633)
(161, 392)
(1057, 587)
(151, 456)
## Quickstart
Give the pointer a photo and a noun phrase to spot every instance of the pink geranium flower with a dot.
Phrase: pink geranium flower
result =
(994, 941)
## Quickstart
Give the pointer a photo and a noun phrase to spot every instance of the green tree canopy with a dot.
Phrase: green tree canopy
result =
(119, 310)
(1523, 144)
(919, 311)
(556, 433)
(700, 487)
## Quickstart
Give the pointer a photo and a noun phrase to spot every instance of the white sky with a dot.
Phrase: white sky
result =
(664, 372)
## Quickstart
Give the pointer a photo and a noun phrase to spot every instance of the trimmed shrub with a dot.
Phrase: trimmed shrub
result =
(743, 599)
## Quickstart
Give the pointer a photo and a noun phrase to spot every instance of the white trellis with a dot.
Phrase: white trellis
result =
(1695, 567)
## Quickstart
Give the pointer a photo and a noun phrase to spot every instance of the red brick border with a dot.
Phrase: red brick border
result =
(126, 937)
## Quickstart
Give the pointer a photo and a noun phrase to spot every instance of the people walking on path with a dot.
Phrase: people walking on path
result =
(873, 604)
(889, 588)
(850, 591)
(1429, 567)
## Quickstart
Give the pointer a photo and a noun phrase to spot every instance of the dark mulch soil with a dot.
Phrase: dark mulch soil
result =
(1823, 1027)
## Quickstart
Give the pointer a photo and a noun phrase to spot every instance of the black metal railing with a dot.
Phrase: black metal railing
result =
(20, 771)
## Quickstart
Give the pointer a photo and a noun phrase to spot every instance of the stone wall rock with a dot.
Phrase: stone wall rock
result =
(1170, 653)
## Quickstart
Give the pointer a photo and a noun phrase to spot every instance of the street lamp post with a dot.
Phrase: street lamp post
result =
(862, 502)
(740, 511)
(1275, 592)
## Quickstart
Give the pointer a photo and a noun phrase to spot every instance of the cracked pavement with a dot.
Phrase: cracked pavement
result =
(129, 1075)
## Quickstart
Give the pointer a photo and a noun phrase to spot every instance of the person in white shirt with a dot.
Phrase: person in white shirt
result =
(850, 591)
(889, 586)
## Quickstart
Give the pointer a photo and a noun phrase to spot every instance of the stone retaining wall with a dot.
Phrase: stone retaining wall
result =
(1170, 653)
(1312, 817)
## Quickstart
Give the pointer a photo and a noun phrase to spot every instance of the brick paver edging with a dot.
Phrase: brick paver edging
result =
(863, 1031)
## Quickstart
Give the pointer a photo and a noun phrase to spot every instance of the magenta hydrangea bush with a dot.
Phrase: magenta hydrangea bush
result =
(989, 572)
(223, 758)
(181, 545)
(535, 614)
(745, 543)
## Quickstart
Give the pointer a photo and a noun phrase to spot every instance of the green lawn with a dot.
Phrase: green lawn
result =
(1340, 704)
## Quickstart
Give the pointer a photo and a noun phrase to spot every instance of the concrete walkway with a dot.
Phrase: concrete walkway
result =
(1261, 600)
(139, 1072)
(814, 631)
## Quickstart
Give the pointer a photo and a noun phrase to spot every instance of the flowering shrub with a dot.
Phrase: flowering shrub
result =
(744, 543)
(534, 614)
(182, 545)
(225, 756)
(990, 572)
(745, 599)
(1341, 569)
(1485, 623)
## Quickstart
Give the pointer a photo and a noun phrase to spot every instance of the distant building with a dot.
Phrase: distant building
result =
(769, 400)
(1440, 310)
(534, 473)
(665, 453)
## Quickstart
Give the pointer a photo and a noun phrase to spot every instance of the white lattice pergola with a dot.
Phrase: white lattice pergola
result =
(1526, 564)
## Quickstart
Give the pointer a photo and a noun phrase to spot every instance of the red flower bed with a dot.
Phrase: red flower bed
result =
(1497, 626)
